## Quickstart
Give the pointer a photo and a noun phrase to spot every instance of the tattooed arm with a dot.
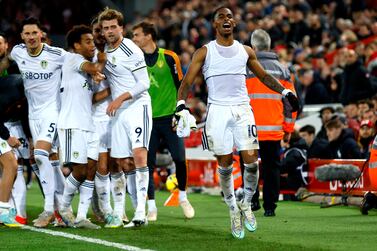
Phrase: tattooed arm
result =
(266, 78)
(269, 80)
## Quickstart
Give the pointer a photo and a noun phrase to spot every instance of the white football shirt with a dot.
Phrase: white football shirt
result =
(76, 94)
(224, 71)
(99, 108)
(41, 76)
(121, 63)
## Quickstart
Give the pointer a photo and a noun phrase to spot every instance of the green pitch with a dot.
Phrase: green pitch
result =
(297, 226)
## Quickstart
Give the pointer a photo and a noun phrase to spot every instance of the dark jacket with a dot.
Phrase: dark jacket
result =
(319, 149)
(316, 93)
(13, 105)
(345, 147)
(356, 84)
(294, 163)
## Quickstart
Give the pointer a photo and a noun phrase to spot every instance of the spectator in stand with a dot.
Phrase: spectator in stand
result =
(371, 116)
(294, 164)
(315, 30)
(313, 92)
(366, 136)
(325, 114)
(371, 58)
(357, 85)
(317, 147)
(351, 111)
(342, 144)
(298, 26)
(362, 107)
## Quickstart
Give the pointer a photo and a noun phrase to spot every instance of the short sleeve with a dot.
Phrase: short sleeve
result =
(74, 61)
(15, 52)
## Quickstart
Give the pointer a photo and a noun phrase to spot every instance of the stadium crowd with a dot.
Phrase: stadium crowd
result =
(329, 46)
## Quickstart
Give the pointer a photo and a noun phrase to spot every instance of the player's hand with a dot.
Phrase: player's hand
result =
(293, 100)
(98, 77)
(101, 57)
(113, 107)
(178, 110)
(14, 142)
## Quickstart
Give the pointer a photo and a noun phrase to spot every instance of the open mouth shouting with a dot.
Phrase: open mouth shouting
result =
(227, 26)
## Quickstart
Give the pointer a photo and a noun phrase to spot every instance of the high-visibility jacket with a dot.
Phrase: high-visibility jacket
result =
(272, 111)
(373, 164)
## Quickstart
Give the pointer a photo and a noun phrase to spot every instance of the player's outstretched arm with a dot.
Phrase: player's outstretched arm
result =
(94, 68)
(101, 95)
(193, 70)
(269, 80)
(260, 73)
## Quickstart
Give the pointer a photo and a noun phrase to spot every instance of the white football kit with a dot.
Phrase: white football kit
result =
(75, 124)
(101, 119)
(4, 147)
(16, 130)
(41, 76)
(126, 72)
(230, 120)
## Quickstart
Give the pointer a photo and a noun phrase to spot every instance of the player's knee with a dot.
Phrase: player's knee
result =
(9, 161)
(251, 167)
(225, 171)
(127, 164)
(140, 160)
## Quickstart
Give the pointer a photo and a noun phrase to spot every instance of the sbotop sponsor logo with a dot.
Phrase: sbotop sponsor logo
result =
(36, 75)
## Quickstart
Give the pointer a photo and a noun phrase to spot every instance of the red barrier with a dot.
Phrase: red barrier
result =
(203, 173)
(335, 187)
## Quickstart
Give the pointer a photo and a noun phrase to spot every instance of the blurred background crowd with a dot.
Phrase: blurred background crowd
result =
(330, 46)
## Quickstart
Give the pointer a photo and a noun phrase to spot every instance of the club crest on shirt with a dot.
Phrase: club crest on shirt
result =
(3, 145)
(44, 64)
(160, 63)
(75, 155)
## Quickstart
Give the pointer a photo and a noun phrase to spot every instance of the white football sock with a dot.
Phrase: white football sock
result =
(151, 205)
(47, 178)
(131, 186)
(227, 186)
(19, 192)
(102, 184)
(250, 180)
(71, 186)
(36, 170)
(182, 196)
(118, 186)
(59, 182)
(86, 194)
(142, 180)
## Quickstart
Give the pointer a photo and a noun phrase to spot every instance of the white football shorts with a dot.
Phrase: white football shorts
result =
(103, 130)
(76, 146)
(229, 126)
(44, 129)
(131, 128)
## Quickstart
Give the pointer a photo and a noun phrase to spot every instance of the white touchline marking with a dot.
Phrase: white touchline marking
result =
(87, 239)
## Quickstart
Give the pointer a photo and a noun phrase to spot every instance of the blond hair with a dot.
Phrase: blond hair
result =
(110, 14)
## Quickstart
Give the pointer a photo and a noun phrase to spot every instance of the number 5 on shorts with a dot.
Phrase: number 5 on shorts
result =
(51, 128)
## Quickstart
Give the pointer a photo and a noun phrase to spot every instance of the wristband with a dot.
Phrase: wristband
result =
(285, 92)
(180, 102)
